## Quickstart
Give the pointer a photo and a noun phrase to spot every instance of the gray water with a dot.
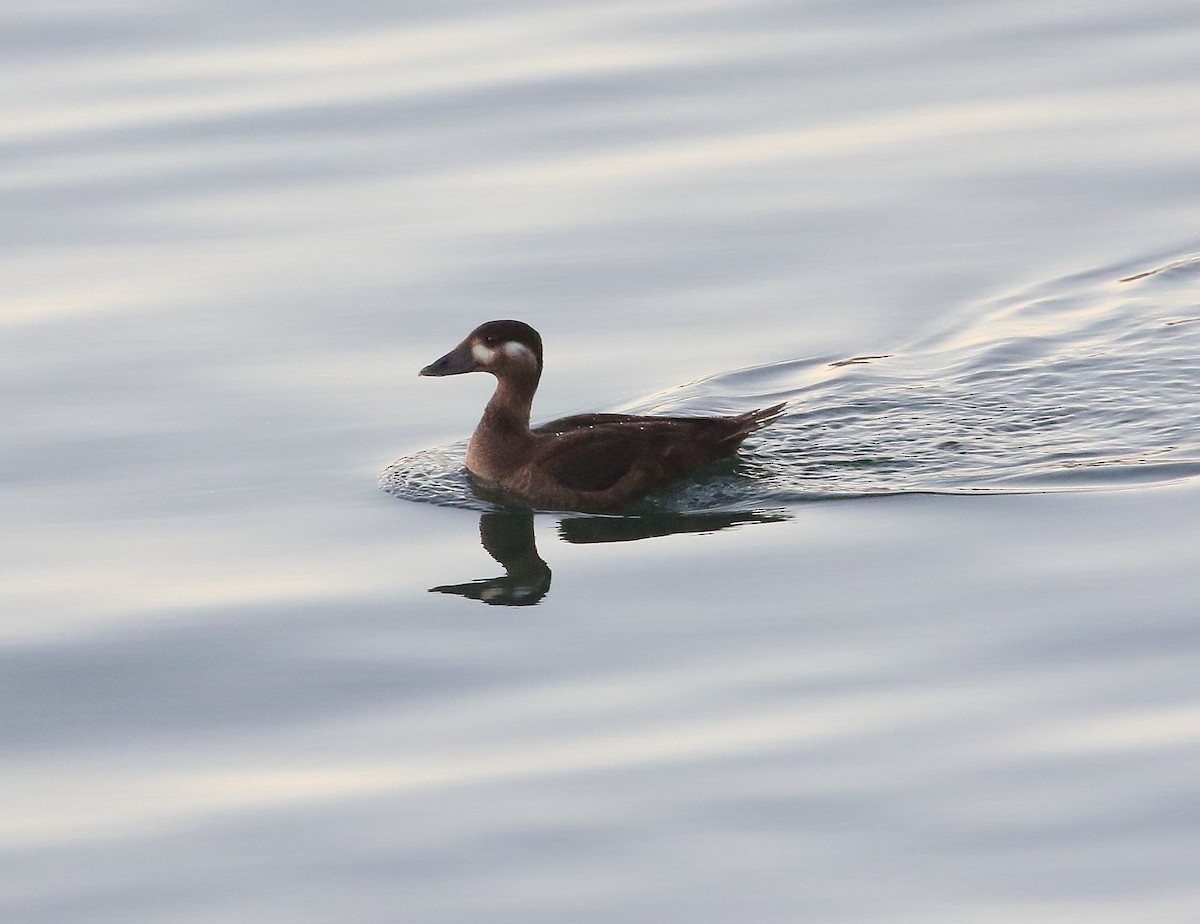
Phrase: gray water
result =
(927, 653)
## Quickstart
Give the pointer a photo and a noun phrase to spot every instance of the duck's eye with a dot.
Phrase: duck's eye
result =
(490, 341)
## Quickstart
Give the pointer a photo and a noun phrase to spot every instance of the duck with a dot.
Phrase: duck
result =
(589, 463)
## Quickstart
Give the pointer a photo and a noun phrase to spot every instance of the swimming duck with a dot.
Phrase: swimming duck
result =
(593, 463)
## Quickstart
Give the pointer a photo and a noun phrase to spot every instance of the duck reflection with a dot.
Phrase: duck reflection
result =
(507, 535)
(582, 530)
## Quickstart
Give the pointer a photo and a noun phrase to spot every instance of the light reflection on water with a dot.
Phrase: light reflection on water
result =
(1028, 734)
(232, 233)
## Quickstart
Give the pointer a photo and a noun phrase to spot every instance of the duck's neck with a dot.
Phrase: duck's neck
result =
(509, 408)
(502, 437)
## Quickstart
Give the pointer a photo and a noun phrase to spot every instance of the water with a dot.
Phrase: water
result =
(927, 654)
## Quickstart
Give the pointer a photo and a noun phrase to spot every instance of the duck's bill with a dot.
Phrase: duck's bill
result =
(457, 361)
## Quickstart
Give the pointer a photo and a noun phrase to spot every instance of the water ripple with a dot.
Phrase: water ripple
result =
(1088, 382)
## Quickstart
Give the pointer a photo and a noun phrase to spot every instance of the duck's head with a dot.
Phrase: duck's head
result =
(503, 348)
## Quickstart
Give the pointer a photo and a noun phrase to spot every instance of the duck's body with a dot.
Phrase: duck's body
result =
(593, 463)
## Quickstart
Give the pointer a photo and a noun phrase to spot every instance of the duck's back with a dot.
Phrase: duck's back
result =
(625, 455)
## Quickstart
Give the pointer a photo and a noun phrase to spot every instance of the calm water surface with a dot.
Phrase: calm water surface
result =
(929, 653)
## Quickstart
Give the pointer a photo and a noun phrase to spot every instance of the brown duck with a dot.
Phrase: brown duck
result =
(593, 463)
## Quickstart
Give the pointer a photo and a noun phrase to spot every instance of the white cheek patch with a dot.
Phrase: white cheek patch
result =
(519, 351)
(482, 354)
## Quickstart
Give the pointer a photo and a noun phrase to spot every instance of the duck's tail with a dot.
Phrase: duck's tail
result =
(745, 424)
(763, 416)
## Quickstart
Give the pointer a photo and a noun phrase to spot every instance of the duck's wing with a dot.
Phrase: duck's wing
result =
(591, 458)
(592, 452)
